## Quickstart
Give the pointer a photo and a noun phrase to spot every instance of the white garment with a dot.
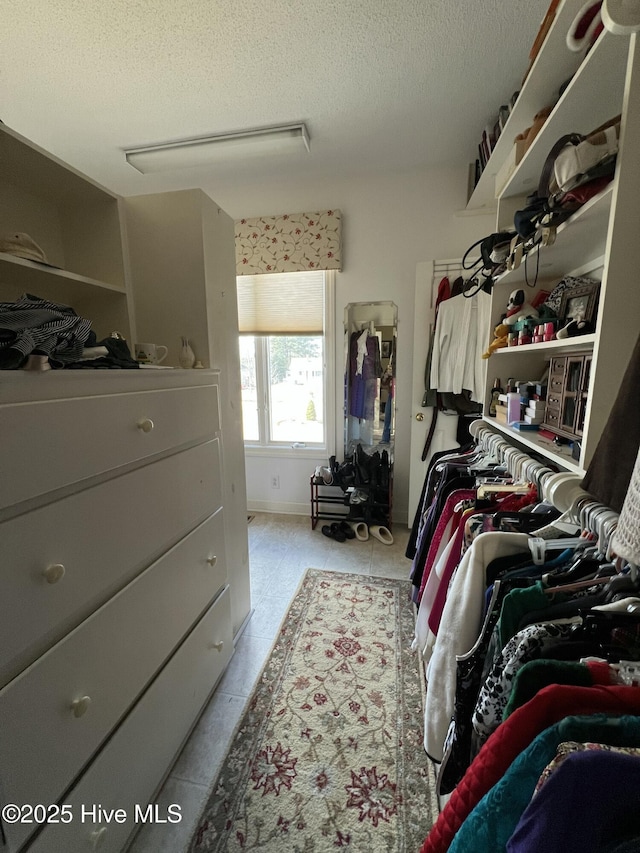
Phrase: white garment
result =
(362, 352)
(459, 629)
(461, 336)
(424, 638)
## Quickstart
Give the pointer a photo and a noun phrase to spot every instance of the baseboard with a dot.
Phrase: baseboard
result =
(284, 507)
(291, 508)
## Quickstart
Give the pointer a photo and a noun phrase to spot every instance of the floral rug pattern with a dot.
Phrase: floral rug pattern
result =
(329, 754)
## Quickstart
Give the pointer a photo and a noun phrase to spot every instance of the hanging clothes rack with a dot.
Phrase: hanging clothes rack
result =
(592, 516)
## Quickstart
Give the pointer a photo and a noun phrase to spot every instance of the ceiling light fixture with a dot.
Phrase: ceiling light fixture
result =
(219, 148)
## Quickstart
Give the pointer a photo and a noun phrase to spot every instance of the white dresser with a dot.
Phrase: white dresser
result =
(115, 620)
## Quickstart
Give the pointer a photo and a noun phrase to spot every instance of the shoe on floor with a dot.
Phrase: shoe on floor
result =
(333, 532)
(360, 530)
(382, 533)
(347, 529)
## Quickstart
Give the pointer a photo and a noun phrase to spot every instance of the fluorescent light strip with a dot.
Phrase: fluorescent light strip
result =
(206, 150)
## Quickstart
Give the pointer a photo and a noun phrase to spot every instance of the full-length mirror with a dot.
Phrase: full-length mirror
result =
(370, 359)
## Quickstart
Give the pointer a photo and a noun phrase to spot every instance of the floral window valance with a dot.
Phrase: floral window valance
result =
(289, 243)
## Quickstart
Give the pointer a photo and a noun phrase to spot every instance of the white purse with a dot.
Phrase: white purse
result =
(576, 159)
(575, 163)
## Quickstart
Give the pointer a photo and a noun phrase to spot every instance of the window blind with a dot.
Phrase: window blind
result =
(281, 304)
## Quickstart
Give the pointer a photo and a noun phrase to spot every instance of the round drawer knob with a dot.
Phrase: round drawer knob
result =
(146, 425)
(212, 560)
(97, 837)
(80, 706)
(419, 416)
(219, 646)
(54, 573)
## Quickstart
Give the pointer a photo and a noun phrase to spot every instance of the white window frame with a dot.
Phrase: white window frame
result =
(296, 450)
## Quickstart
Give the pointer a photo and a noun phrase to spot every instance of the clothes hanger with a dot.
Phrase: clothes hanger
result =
(491, 456)
(539, 546)
(597, 626)
(572, 587)
(594, 560)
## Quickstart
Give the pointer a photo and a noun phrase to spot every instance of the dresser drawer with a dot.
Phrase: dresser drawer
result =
(554, 401)
(62, 561)
(55, 443)
(556, 383)
(552, 418)
(128, 770)
(109, 658)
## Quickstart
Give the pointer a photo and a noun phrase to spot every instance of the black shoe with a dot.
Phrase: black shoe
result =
(348, 531)
(333, 532)
(337, 533)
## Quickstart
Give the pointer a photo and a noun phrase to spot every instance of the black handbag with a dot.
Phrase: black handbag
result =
(494, 251)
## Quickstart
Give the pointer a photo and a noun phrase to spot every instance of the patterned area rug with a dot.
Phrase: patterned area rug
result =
(329, 751)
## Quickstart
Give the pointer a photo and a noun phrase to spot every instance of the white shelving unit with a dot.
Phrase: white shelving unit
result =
(122, 494)
(78, 224)
(599, 241)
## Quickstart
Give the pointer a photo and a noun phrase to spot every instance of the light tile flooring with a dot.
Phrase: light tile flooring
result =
(281, 547)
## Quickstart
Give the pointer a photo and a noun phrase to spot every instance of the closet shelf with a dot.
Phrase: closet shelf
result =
(559, 455)
(593, 96)
(579, 241)
(24, 272)
(552, 66)
(556, 347)
(79, 226)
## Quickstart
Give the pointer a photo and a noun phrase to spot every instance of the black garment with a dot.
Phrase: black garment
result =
(454, 477)
(118, 357)
(426, 496)
(563, 610)
(32, 325)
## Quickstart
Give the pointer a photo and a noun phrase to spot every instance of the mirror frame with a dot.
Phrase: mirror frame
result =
(379, 319)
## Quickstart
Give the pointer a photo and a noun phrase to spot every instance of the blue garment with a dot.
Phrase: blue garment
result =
(588, 803)
(493, 821)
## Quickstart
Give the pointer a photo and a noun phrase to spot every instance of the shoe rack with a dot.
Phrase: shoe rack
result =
(326, 500)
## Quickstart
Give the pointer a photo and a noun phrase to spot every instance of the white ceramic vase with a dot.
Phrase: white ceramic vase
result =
(187, 357)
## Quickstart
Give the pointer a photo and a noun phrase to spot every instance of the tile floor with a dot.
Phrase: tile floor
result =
(281, 547)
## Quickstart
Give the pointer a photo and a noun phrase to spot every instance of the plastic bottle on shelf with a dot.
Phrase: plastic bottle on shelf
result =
(513, 407)
(495, 393)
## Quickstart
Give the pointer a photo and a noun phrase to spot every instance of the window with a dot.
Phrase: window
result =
(285, 341)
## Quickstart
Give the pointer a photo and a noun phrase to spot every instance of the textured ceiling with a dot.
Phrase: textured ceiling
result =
(381, 84)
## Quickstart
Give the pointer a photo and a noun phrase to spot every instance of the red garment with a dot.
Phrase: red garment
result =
(547, 707)
(444, 293)
(449, 515)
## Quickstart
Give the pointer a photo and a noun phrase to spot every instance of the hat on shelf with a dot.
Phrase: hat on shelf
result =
(22, 246)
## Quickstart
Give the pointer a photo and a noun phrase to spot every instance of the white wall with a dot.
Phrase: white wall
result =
(390, 223)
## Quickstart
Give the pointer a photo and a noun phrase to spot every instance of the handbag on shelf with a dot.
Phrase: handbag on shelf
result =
(494, 250)
(575, 160)
(576, 169)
